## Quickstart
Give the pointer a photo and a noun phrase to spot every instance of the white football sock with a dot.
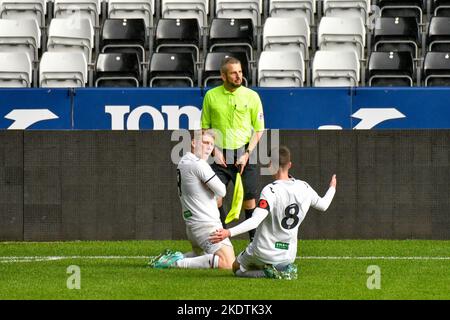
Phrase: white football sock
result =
(190, 254)
(205, 261)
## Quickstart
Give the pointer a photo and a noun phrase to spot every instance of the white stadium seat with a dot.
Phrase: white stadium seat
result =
(69, 35)
(293, 8)
(81, 9)
(186, 9)
(335, 69)
(281, 69)
(280, 34)
(63, 70)
(15, 70)
(347, 9)
(20, 36)
(240, 9)
(132, 9)
(336, 33)
(24, 9)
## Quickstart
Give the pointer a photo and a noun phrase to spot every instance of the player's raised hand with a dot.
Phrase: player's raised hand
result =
(333, 181)
(219, 235)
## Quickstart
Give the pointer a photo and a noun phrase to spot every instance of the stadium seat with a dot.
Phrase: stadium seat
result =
(281, 69)
(213, 60)
(287, 34)
(440, 8)
(124, 35)
(402, 8)
(186, 9)
(81, 9)
(232, 35)
(336, 33)
(118, 70)
(172, 70)
(335, 69)
(438, 36)
(293, 8)
(24, 10)
(15, 70)
(132, 9)
(63, 70)
(347, 9)
(69, 35)
(436, 69)
(240, 9)
(178, 35)
(20, 36)
(397, 34)
(387, 69)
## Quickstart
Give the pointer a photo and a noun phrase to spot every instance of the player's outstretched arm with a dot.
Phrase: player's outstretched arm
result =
(323, 203)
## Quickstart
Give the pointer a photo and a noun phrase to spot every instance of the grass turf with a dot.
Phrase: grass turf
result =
(129, 278)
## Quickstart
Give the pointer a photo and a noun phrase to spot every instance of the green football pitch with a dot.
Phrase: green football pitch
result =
(328, 269)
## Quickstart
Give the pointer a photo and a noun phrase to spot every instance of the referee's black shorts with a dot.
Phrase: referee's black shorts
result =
(249, 176)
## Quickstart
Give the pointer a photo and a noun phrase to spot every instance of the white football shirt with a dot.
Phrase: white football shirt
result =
(197, 187)
(287, 202)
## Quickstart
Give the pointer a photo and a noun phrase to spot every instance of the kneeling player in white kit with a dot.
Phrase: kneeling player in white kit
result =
(198, 186)
(282, 207)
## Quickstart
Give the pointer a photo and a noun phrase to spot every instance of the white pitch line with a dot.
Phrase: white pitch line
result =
(13, 259)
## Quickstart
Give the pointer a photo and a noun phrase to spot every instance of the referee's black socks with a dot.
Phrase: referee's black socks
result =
(248, 215)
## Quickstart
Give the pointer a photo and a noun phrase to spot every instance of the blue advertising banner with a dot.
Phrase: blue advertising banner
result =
(171, 109)
(137, 109)
(45, 109)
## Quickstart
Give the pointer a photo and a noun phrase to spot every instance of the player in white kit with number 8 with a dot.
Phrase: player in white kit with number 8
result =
(281, 209)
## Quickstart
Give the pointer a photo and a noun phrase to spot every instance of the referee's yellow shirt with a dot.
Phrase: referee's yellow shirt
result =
(233, 115)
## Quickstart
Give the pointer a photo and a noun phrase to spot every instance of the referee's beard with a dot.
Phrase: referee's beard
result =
(231, 84)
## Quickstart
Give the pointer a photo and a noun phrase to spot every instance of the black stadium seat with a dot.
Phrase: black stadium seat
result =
(438, 36)
(213, 60)
(172, 70)
(436, 69)
(232, 35)
(397, 34)
(440, 8)
(118, 70)
(387, 69)
(402, 8)
(124, 35)
(178, 35)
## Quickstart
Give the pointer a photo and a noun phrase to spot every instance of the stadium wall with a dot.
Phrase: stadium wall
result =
(117, 185)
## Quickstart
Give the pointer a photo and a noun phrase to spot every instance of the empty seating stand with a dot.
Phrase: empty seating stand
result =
(440, 8)
(436, 69)
(293, 8)
(172, 70)
(124, 35)
(240, 9)
(402, 8)
(397, 34)
(438, 36)
(387, 69)
(347, 9)
(281, 69)
(24, 10)
(335, 69)
(178, 35)
(186, 9)
(63, 70)
(231, 35)
(118, 70)
(15, 70)
(284, 33)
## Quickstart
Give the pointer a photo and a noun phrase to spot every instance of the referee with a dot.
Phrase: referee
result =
(236, 114)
